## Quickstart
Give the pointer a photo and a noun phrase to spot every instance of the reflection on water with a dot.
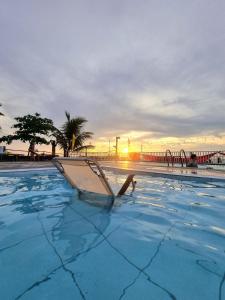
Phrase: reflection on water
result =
(79, 225)
(76, 222)
(95, 199)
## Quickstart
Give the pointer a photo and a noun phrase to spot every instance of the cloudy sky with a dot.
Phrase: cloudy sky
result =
(153, 71)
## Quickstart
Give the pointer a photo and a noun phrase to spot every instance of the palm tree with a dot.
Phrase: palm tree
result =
(72, 137)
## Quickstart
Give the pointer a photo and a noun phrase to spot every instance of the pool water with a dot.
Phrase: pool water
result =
(166, 241)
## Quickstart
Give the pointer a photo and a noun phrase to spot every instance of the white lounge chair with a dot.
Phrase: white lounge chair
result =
(86, 175)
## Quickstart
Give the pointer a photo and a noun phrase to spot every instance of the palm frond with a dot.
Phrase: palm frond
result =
(81, 138)
(67, 115)
(84, 147)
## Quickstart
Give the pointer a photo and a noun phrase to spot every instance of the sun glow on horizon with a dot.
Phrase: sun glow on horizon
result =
(125, 150)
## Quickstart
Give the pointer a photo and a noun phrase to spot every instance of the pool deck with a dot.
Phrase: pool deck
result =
(142, 168)
(145, 168)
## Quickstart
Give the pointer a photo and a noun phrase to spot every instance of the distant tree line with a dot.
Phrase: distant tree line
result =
(37, 130)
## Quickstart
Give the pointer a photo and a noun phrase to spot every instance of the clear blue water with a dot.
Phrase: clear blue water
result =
(167, 241)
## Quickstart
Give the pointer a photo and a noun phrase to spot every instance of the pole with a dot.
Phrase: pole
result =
(109, 147)
(117, 138)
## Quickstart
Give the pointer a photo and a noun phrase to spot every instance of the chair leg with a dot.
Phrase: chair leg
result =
(128, 181)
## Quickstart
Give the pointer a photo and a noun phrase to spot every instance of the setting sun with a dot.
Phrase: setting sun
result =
(125, 150)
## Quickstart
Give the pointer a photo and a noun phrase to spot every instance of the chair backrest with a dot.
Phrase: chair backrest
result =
(84, 174)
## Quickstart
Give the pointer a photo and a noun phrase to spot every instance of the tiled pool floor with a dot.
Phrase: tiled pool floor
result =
(164, 242)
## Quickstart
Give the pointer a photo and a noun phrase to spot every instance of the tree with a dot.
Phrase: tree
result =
(32, 129)
(54, 144)
(72, 137)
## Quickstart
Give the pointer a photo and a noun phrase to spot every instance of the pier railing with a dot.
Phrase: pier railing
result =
(168, 157)
(203, 157)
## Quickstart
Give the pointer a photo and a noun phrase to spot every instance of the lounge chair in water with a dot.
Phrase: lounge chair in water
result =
(87, 177)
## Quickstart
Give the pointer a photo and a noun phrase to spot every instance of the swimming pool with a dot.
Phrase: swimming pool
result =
(167, 241)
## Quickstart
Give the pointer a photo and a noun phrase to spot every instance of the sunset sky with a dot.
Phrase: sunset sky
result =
(151, 71)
